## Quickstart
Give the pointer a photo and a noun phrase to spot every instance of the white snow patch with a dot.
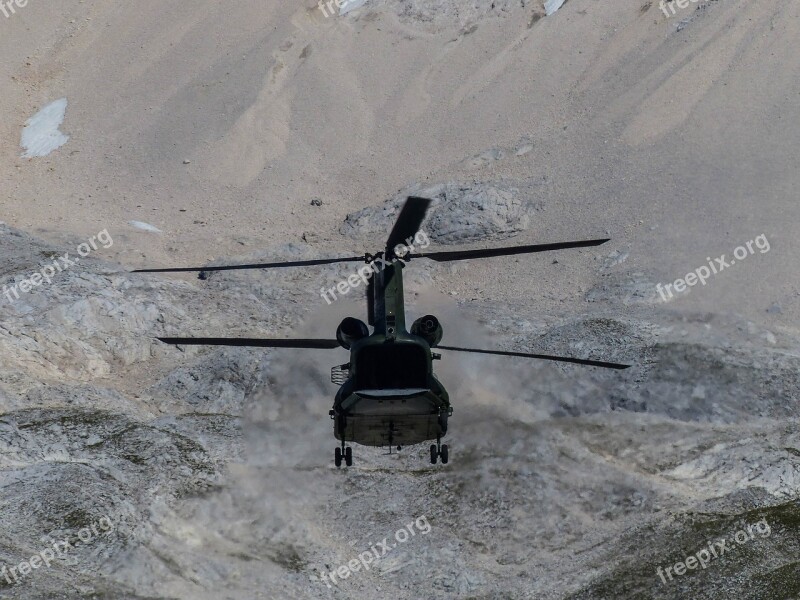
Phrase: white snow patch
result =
(349, 5)
(41, 136)
(552, 6)
(144, 226)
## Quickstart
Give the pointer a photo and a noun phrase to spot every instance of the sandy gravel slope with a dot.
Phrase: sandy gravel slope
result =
(680, 143)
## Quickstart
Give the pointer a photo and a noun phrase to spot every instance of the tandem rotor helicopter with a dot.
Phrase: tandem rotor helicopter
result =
(388, 395)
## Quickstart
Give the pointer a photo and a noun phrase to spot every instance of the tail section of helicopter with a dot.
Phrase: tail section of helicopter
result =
(391, 416)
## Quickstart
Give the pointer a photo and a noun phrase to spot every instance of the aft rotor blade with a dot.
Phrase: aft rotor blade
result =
(252, 342)
(408, 221)
(577, 361)
(506, 251)
(274, 265)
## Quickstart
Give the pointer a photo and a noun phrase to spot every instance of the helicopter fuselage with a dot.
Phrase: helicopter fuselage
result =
(391, 396)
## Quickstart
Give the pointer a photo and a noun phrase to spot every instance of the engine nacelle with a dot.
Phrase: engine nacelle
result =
(429, 329)
(351, 330)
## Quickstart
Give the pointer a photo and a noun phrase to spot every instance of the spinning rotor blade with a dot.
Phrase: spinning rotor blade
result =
(274, 265)
(253, 342)
(506, 251)
(577, 361)
(408, 221)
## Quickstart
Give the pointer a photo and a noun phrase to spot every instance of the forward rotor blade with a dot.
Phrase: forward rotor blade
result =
(252, 342)
(408, 221)
(577, 361)
(506, 251)
(274, 265)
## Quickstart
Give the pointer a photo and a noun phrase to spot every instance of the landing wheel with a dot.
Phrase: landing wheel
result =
(434, 454)
(445, 454)
(348, 456)
(337, 457)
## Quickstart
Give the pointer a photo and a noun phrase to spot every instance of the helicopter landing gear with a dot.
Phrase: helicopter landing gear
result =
(439, 450)
(343, 453)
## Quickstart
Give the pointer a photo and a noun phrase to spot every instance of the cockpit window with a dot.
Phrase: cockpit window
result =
(391, 366)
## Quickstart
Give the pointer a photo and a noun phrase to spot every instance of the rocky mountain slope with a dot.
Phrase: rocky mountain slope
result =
(214, 465)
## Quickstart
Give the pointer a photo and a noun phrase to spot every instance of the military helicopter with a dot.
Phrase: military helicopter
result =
(389, 394)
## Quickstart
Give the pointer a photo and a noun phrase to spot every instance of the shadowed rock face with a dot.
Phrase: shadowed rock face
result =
(214, 464)
(760, 565)
(459, 213)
